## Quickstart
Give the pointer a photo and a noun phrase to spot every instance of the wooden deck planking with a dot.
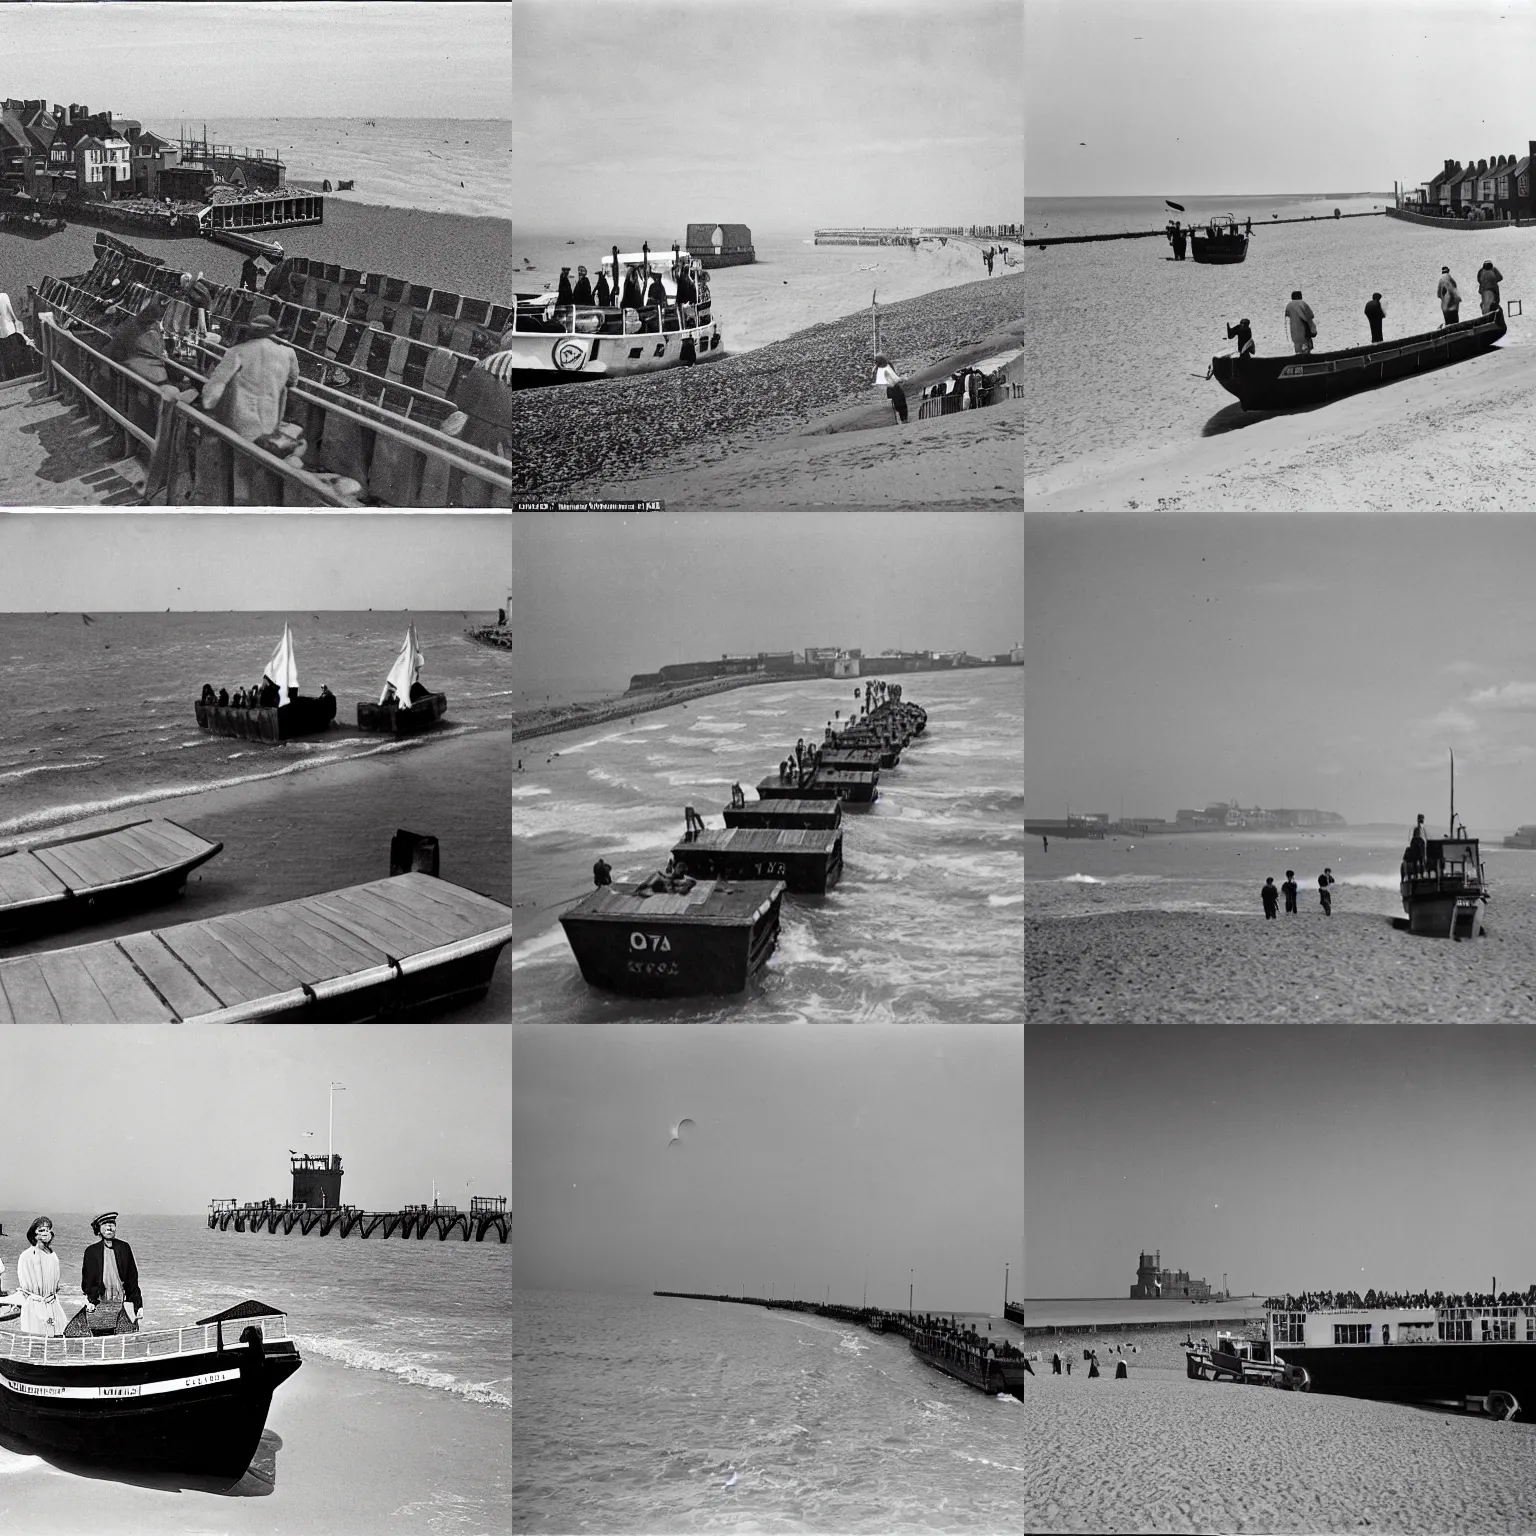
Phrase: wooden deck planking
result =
(470, 908)
(389, 936)
(22, 878)
(150, 843)
(26, 992)
(283, 943)
(323, 953)
(186, 993)
(137, 855)
(444, 919)
(364, 952)
(122, 987)
(724, 901)
(186, 844)
(256, 953)
(74, 990)
(83, 865)
(216, 966)
(419, 929)
(766, 840)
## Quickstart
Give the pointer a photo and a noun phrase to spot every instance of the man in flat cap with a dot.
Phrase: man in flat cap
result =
(248, 390)
(110, 1279)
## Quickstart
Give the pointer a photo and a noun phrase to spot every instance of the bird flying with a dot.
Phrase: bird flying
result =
(677, 1132)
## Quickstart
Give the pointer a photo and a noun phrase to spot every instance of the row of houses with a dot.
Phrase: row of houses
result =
(52, 152)
(1221, 814)
(1500, 187)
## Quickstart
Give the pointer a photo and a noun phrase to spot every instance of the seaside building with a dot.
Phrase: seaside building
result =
(316, 1181)
(720, 245)
(1154, 1283)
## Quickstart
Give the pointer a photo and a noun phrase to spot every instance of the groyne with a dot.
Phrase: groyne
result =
(410, 1221)
(498, 635)
(1147, 234)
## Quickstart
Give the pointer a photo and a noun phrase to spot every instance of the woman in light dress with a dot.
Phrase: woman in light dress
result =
(37, 1283)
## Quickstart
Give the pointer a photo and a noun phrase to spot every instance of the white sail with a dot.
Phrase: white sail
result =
(406, 670)
(283, 669)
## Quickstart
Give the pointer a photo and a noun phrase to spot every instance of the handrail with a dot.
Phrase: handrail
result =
(132, 428)
(110, 1349)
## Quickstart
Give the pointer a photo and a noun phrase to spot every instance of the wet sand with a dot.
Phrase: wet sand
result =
(1354, 968)
(1159, 1452)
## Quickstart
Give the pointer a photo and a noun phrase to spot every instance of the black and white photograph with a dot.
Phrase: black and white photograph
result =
(1277, 255)
(775, 246)
(258, 1284)
(255, 254)
(768, 1279)
(1277, 1280)
(255, 767)
(768, 767)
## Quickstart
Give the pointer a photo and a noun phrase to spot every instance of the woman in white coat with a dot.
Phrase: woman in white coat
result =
(37, 1280)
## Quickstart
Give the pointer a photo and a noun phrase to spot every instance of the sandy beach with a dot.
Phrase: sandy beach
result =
(1121, 337)
(345, 1451)
(1159, 1452)
(1355, 967)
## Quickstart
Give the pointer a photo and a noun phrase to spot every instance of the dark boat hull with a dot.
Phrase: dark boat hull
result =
(274, 724)
(1313, 378)
(247, 244)
(201, 1413)
(1421, 1373)
(828, 814)
(670, 956)
(1218, 250)
(421, 716)
(806, 870)
(995, 1378)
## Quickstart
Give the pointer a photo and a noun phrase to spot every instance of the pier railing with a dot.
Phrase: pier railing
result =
(154, 1345)
(344, 1220)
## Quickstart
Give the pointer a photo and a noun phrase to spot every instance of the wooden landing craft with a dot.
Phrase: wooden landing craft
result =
(784, 813)
(807, 860)
(855, 786)
(708, 939)
(408, 945)
(1311, 378)
(1220, 243)
(856, 757)
(303, 717)
(188, 1399)
(95, 875)
(422, 711)
(945, 1353)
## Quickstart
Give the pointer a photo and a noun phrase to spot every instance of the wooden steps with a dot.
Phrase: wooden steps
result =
(410, 942)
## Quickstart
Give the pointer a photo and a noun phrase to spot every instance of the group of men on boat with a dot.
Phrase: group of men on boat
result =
(964, 1344)
(265, 695)
(109, 1278)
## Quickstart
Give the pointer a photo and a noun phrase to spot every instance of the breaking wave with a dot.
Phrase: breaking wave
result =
(400, 1364)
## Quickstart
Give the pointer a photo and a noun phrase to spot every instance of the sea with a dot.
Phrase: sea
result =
(1218, 874)
(1121, 336)
(925, 924)
(101, 705)
(442, 165)
(431, 1314)
(643, 1414)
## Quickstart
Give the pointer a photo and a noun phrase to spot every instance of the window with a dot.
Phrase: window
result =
(1455, 1330)
(1352, 1333)
(1290, 1327)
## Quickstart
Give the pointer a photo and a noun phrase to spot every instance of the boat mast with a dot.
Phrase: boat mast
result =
(1453, 791)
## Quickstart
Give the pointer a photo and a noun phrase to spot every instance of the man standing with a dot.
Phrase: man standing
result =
(110, 1280)
(249, 388)
(1325, 883)
(582, 292)
(1376, 313)
(1270, 896)
(1289, 890)
(1488, 279)
(1449, 296)
(250, 275)
(1302, 323)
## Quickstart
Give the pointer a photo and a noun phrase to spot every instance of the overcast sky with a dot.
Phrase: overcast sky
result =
(632, 114)
(211, 562)
(258, 58)
(1159, 97)
(814, 1153)
(1314, 661)
(602, 596)
(1291, 1159)
(164, 1121)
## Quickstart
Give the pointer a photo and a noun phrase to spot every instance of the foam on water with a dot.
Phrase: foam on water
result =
(526, 791)
(402, 1363)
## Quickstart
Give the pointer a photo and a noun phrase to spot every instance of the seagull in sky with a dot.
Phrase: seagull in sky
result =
(677, 1132)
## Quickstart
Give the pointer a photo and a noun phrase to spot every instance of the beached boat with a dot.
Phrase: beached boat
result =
(554, 343)
(707, 939)
(422, 711)
(186, 1399)
(249, 244)
(409, 946)
(1311, 378)
(95, 875)
(1241, 1357)
(944, 1352)
(273, 723)
(1220, 243)
(1473, 1357)
(785, 813)
(855, 786)
(806, 859)
(1443, 889)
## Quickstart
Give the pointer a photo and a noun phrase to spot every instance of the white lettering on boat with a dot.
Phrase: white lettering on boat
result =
(137, 1389)
(652, 941)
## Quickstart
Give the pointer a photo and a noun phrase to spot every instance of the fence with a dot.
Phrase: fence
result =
(197, 461)
(950, 404)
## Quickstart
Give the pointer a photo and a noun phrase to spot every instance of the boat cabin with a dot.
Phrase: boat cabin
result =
(1442, 894)
(1385, 1327)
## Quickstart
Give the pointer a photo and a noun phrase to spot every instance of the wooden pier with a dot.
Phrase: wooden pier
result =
(406, 945)
(486, 1215)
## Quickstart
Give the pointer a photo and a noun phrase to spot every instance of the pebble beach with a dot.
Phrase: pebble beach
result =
(1159, 1452)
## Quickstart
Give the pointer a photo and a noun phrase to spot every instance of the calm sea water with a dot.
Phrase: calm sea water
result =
(402, 162)
(433, 1314)
(634, 1414)
(101, 714)
(926, 921)
(1218, 874)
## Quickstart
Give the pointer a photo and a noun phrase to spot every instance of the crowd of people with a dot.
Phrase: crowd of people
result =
(640, 291)
(109, 1279)
(1338, 1301)
(964, 1344)
(265, 695)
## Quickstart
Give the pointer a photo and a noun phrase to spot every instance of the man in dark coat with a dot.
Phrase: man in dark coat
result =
(563, 293)
(250, 275)
(582, 292)
(1376, 313)
(656, 297)
(109, 1272)
(686, 292)
(633, 298)
(604, 293)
